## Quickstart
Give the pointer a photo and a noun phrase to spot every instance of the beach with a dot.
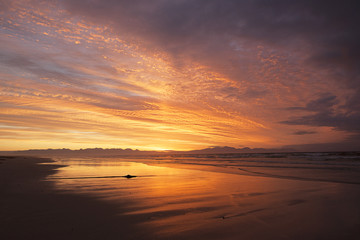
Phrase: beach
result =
(33, 209)
(177, 198)
(179, 120)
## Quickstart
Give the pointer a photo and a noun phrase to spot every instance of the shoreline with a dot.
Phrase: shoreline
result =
(31, 208)
(323, 174)
(183, 204)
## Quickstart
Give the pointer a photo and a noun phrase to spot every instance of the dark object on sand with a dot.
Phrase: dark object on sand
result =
(129, 176)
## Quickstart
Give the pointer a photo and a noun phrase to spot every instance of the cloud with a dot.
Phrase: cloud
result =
(351, 143)
(230, 66)
(323, 103)
(326, 113)
(303, 132)
(340, 122)
(209, 27)
(219, 34)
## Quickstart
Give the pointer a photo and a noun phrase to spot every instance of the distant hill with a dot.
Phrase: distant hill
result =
(219, 150)
(88, 152)
(114, 152)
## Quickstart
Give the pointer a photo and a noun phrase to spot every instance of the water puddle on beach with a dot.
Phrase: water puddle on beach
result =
(178, 203)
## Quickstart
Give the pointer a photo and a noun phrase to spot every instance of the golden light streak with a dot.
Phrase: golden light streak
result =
(74, 84)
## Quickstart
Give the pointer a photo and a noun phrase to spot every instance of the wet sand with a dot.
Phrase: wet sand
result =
(31, 208)
(91, 200)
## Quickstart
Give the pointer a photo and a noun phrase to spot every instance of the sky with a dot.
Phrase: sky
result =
(180, 74)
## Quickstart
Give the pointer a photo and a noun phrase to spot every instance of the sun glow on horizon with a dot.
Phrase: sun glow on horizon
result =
(69, 81)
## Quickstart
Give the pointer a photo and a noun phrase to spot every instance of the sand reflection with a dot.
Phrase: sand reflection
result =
(183, 202)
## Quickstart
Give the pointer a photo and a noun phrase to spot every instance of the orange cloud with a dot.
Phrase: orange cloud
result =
(67, 82)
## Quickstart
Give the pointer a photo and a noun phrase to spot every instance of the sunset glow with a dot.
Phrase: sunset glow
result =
(83, 74)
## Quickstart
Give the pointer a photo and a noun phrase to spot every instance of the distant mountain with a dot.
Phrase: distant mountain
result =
(88, 152)
(114, 152)
(223, 150)
(226, 149)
